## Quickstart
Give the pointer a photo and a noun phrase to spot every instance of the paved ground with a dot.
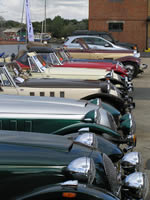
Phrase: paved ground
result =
(142, 115)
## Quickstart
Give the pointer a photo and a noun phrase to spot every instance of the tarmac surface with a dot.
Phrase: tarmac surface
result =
(141, 114)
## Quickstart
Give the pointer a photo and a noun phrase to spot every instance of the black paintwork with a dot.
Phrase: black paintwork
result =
(32, 160)
(56, 191)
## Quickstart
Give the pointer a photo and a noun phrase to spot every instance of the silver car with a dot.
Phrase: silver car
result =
(94, 42)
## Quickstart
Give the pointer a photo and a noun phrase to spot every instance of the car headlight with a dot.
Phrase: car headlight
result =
(136, 185)
(88, 139)
(131, 162)
(82, 169)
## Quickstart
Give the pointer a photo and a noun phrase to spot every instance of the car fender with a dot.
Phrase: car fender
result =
(129, 58)
(115, 101)
(92, 127)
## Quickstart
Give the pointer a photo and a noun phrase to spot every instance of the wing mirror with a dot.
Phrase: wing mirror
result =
(107, 45)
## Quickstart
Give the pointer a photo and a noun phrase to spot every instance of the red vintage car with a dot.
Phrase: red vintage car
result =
(57, 59)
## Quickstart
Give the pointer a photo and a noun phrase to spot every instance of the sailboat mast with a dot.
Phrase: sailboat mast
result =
(45, 16)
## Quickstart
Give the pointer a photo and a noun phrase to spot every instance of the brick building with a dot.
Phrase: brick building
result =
(127, 20)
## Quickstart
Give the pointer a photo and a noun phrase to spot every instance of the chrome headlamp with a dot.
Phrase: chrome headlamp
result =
(136, 185)
(131, 162)
(82, 169)
(88, 139)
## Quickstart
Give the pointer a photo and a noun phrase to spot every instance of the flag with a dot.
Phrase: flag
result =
(29, 23)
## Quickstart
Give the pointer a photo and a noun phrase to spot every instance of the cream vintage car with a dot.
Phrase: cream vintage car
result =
(48, 71)
(15, 82)
(38, 68)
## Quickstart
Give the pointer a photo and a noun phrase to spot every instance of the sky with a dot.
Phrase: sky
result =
(67, 9)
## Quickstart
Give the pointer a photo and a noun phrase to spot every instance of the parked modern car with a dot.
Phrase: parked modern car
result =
(32, 163)
(63, 116)
(13, 81)
(94, 42)
(108, 36)
(129, 58)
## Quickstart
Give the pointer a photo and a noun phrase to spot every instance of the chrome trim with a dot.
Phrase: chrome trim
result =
(70, 183)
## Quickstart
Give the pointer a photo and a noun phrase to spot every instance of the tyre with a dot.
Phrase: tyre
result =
(132, 68)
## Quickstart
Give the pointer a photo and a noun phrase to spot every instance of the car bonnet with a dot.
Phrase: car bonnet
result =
(46, 106)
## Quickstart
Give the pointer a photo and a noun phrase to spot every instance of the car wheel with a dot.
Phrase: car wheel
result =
(132, 69)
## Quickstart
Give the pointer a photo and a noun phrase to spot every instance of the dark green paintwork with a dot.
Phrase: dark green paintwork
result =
(53, 126)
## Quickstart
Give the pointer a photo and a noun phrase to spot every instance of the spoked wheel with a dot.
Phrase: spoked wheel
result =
(132, 69)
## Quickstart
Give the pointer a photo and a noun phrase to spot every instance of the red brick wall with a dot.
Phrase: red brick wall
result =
(132, 12)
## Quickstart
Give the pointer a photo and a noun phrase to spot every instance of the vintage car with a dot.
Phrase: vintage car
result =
(63, 116)
(39, 68)
(13, 81)
(70, 190)
(62, 72)
(128, 58)
(33, 162)
(53, 56)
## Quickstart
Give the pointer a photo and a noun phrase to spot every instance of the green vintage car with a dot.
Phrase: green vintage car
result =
(61, 116)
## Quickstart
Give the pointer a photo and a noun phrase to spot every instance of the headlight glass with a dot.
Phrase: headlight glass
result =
(136, 185)
(82, 169)
(88, 139)
(131, 162)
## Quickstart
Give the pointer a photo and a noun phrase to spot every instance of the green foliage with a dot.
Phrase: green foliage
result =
(11, 24)
(59, 27)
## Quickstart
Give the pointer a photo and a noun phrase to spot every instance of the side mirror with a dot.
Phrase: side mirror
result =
(107, 45)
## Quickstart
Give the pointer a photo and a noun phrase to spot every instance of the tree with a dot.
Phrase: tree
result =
(57, 26)
(2, 22)
(68, 29)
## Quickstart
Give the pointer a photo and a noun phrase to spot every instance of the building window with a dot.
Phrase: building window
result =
(115, 26)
